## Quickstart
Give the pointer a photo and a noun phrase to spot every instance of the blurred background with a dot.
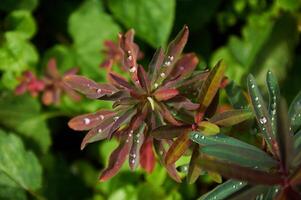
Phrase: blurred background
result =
(41, 157)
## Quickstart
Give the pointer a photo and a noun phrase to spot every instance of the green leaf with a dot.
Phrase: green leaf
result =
(22, 114)
(9, 5)
(208, 128)
(241, 156)
(152, 20)
(295, 113)
(290, 5)
(237, 96)
(16, 55)
(9, 189)
(194, 170)
(89, 26)
(22, 22)
(224, 190)
(18, 164)
(231, 117)
(274, 97)
(262, 115)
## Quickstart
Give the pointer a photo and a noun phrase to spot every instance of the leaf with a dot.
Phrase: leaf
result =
(18, 164)
(230, 170)
(143, 79)
(208, 128)
(178, 148)
(250, 192)
(22, 22)
(241, 156)
(210, 86)
(194, 170)
(231, 117)
(169, 131)
(224, 190)
(10, 5)
(23, 115)
(88, 87)
(9, 189)
(88, 121)
(138, 140)
(86, 28)
(262, 115)
(274, 98)
(220, 139)
(155, 18)
(215, 177)
(147, 159)
(165, 94)
(295, 112)
(116, 160)
(284, 137)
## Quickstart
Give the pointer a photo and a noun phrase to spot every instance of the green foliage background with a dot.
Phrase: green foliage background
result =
(40, 156)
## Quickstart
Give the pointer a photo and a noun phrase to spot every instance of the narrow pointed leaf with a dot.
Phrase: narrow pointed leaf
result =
(138, 139)
(88, 121)
(224, 190)
(231, 170)
(181, 102)
(143, 79)
(164, 111)
(215, 176)
(194, 170)
(116, 160)
(184, 66)
(284, 136)
(155, 65)
(165, 94)
(250, 192)
(274, 97)
(178, 148)
(262, 115)
(88, 87)
(231, 117)
(121, 81)
(169, 131)
(211, 85)
(208, 128)
(240, 156)
(147, 158)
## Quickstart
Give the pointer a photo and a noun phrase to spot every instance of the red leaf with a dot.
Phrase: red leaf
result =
(169, 131)
(120, 81)
(88, 121)
(184, 66)
(143, 79)
(168, 116)
(51, 69)
(147, 157)
(165, 94)
(116, 160)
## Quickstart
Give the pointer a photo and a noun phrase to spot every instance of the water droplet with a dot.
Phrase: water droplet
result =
(203, 137)
(99, 130)
(263, 120)
(299, 115)
(130, 58)
(240, 183)
(132, 70)
(129, 52)
(276, 190)
(156, 85)
(102, 117)
(162, 75)
(259, 106)
(116, 118)
(127, 141)
(234, 186)
(256, 98)
(137, 141)
(130, 135)
(133, 161)
(170, 58)
(98, 90)
(252, 86)
(87, 121)
(167, 63)
(133, 155)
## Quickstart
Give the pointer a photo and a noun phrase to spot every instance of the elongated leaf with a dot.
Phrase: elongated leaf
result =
(88, 87)
(262, 115)
(184, 66)
(274, 98)
(224, 190)
(230, 170)
(88, 121)
(240, 156)
(220, 139)
(138, 139)
(165, 94)
(208, 128)
(250, 192)
(178, 148)
(175, 48)
(155, 65)
(295, 179)
(161, 152)
(117, 159)
(164, 111)
(143, 79)
(210, 86)
(194, 169)
(147, 156)
(295, 113)
(169, 131)
(284, 136)
(231, 117)
(181, 102)
(120, 81)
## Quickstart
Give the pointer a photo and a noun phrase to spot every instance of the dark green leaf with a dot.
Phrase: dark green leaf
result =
(295, 113)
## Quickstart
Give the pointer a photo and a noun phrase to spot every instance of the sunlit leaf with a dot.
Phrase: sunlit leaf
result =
(231, 117)
(194, 169)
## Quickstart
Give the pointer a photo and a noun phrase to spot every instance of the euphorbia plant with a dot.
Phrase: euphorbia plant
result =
(269, 173)
(139, 105)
